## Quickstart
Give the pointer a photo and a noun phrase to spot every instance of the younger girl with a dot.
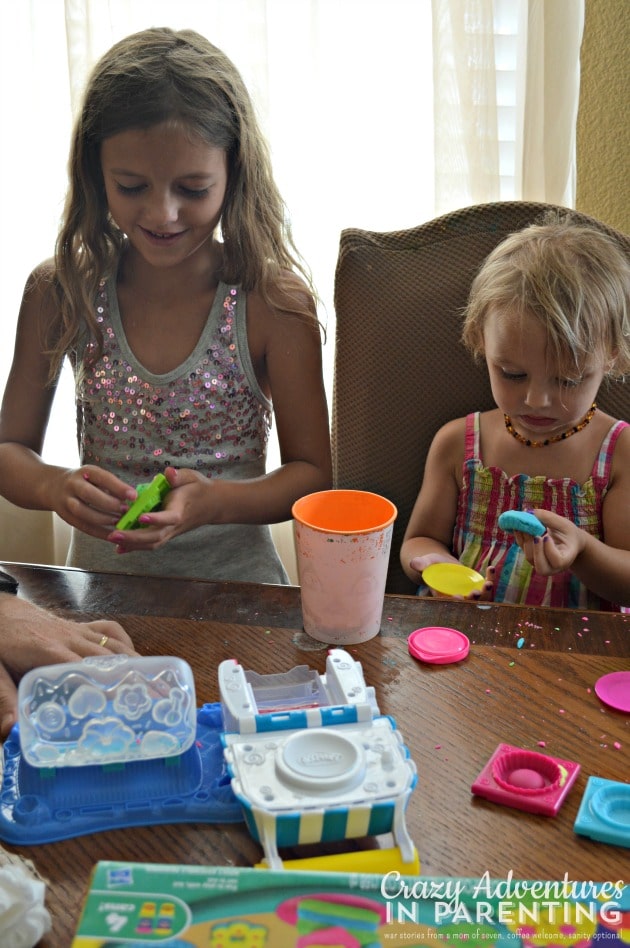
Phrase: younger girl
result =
(550, 312)
(174, 294)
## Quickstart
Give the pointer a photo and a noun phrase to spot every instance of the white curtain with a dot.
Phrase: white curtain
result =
(550, 101)
(380, 114)
(506, 89)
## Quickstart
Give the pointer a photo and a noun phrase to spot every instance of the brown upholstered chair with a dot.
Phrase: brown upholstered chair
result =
(400, 368)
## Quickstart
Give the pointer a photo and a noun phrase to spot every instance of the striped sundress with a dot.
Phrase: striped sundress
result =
(478, 542)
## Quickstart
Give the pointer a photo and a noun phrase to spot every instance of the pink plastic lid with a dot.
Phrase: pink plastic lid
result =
(614, 690)
(438, 645)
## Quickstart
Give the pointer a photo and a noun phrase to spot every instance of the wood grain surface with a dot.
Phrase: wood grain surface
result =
(528, 681)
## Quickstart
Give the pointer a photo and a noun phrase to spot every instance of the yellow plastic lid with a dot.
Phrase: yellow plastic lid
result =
(452, 579)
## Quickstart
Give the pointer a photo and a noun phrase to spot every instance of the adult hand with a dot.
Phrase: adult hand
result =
(30, 637)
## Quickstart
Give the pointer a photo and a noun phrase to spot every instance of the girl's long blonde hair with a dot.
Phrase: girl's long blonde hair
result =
(145, 79)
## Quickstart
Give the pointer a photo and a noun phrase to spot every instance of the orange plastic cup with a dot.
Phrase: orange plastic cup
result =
(343, 540)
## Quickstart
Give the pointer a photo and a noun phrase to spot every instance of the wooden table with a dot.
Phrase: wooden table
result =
(537, 696)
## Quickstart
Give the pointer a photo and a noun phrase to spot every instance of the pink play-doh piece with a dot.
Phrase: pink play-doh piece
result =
(527, 779)
(438, 645)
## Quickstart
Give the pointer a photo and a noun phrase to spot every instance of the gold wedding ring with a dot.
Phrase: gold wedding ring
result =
(104, 641)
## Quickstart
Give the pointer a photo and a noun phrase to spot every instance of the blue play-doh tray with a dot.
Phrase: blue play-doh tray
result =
(604, 813)
(44, 805)
(112, 742)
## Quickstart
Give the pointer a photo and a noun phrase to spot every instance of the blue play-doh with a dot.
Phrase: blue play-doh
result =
(44, 805)
(522, 520)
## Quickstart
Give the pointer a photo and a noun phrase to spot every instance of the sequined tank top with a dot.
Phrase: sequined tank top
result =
(208, 414)
(479, 542)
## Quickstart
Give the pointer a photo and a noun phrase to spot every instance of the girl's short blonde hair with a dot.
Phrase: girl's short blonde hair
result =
(574, 279)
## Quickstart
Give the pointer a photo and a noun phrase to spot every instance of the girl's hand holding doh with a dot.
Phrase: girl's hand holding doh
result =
(88, 498)
(557, 549)
(192, 501)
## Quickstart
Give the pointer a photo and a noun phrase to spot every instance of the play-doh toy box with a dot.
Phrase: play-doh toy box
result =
(130, 904)
(312, 759)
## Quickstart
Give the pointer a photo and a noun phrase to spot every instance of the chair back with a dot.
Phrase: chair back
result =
(401, 370)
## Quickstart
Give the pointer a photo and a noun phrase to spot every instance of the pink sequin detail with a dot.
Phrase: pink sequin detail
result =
(208, 418)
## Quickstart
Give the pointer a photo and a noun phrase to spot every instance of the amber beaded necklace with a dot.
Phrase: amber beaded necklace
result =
(561, 437)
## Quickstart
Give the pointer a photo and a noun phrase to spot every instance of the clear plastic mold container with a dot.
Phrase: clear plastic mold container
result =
(105, 710)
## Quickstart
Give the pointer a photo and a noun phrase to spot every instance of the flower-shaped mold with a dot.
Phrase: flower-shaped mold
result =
(604, 812)
(105, 710)
(526, 780)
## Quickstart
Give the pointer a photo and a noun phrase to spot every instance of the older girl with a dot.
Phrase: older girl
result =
(175, 294)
